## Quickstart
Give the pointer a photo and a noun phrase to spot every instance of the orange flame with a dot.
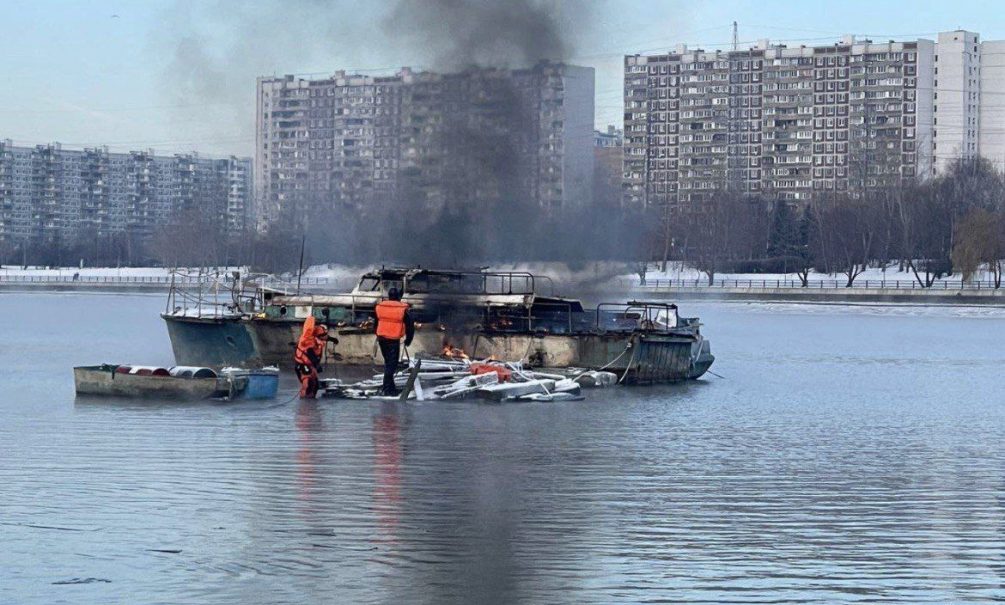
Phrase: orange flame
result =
(452, 352)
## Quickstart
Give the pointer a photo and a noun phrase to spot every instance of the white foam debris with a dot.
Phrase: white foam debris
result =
(487, 379)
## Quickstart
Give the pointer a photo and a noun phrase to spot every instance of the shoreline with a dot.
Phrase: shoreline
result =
(837, 296)
(968, 297)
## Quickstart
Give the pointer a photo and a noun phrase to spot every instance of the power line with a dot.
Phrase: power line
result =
(118, 109)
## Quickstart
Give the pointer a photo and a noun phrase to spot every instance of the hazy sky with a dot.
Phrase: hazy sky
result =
(180, 76)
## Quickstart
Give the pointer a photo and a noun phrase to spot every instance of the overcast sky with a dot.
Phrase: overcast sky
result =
(180, 76)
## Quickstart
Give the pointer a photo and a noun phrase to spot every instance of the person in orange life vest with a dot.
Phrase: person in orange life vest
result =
(393, 323)
(307, 358)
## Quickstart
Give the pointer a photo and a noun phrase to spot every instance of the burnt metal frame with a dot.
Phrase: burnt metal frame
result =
(646, 308)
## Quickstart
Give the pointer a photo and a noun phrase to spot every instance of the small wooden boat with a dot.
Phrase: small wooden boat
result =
(180, 383)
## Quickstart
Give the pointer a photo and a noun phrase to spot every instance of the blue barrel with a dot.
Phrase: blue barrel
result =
(261, 385)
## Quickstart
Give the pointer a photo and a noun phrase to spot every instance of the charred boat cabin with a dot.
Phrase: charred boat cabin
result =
(476, 313)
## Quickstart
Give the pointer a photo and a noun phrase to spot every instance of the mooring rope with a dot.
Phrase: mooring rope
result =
(628, 368)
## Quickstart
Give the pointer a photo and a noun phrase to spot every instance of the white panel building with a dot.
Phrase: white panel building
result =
(991, 118)
(795, 122)
(957, 97)
(48, 193)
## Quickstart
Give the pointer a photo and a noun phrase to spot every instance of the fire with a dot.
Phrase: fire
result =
(452, 352)
(501, 323)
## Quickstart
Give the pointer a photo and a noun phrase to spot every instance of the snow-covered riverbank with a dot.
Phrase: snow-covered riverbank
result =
(617, 279)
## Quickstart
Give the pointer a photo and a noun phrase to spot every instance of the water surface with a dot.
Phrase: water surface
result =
(847, 454)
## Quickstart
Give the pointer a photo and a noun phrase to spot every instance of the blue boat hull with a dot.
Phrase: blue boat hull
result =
(213, 342)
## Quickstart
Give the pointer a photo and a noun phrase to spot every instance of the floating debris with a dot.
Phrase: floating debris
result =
(455, 376)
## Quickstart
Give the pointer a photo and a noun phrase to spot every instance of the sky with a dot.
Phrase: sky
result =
(179, 75)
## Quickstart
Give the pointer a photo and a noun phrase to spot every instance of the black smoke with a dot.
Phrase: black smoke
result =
(480, 205)
(461, 33)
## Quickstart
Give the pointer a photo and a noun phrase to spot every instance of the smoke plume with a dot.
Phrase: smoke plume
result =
(478, 208)
(461, 33)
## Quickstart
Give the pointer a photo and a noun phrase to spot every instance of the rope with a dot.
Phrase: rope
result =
(629, 366)
(606, 365)
(611, 362)
(694, 358)
(531, 378)
(526, 355)
(295, 395)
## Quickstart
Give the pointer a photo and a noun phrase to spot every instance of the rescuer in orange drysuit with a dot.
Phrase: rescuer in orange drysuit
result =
(307, 359)
(393, 324)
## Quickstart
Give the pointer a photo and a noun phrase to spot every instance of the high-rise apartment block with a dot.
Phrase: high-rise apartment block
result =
(607, 165)
(797, 122)
(350, 139)
(969, 99)
(48, 193)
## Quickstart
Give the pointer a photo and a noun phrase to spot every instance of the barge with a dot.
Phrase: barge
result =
(477, 314)
(179, 383)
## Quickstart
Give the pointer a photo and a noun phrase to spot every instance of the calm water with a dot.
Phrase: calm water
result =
(848, 455)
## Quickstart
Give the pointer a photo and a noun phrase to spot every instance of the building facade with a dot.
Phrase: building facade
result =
(351, 139)
(612, 137)
(607, 165)
(991, 114)
(796, 122)
(48, 193)
(969, 99)
(771, 120)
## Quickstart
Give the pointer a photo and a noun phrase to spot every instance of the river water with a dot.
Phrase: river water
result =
(847, 454)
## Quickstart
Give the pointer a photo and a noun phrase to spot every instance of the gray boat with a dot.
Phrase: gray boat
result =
(478, 314)
(180, 383)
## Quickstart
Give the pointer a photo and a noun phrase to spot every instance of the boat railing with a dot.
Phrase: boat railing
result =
(217, 293)
(636, 315)
(484, 282)
(559, 319)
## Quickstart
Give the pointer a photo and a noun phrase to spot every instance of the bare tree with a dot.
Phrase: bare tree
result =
(720, 231)
(192, 237)
(844, 235)
(979, 239)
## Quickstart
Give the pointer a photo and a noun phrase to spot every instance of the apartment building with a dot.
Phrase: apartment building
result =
(607, 166)
(351, 139)
(612, 137)
(969, 99)
(48, 193)
(797, 122)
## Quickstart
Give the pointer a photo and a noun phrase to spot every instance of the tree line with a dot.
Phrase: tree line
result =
(191, 237)
(954, 223)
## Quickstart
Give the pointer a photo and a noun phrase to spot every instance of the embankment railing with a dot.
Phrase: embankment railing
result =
(124, 279)
(795, 284)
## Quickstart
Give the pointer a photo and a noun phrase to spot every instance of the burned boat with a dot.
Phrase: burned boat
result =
(477, 313)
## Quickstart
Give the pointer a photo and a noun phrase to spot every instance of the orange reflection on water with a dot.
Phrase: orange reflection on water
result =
(387, 473)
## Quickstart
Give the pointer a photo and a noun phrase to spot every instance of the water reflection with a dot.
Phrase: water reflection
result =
(387, 469)
(310, 428)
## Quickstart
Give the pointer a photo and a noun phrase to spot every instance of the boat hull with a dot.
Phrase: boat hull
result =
(213, 342)
(105, 381)
(260, 341)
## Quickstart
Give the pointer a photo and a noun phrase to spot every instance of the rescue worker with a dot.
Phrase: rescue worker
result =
(307, 358)
(393, 323)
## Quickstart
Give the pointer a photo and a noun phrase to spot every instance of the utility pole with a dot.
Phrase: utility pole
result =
(736, 40)
(300, 271)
